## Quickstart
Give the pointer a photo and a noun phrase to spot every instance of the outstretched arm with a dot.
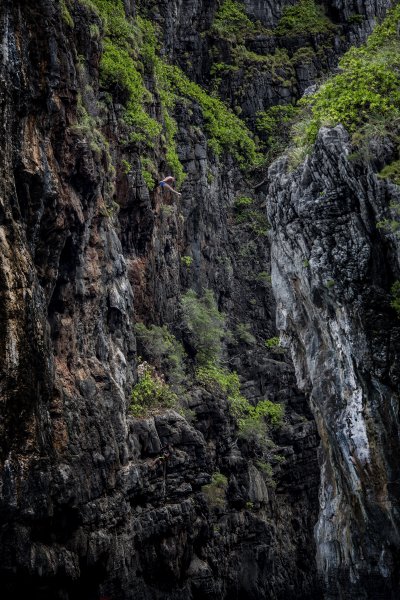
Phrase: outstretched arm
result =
(172, 189)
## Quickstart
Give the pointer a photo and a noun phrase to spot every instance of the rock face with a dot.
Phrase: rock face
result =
(332, 270)
(97, 504)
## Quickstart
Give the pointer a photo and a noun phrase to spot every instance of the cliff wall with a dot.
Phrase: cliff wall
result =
(95, 500)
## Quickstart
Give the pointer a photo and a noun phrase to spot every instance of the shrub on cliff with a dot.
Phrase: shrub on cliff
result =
(251, 216)
(304, 17)
(163, 350)
(395, 293)
(253, 422)
(367, 88)
(215, 491)
(232, 24)
(151, 392)
(205, 325)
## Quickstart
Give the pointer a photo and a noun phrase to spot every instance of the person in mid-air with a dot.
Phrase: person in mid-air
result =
(165, 183)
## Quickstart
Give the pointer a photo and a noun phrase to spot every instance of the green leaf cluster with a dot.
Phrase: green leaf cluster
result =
(304, 17)
(226, 131)
(163, 350)
(243, 203)
(275, 125)
(243, 334)
(263, 277)
(151, 392)
(66, 15)
(87, 127)
(252, 420)
(231, 23)
(120, 74)
(215, 491)
(392, 172)
(205, 324)
(253, 217)
(391, 225)
(395, 293)
(186, 261)
(273, 342)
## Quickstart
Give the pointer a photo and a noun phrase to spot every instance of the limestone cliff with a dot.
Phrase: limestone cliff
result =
(99, 101)
(331, 272)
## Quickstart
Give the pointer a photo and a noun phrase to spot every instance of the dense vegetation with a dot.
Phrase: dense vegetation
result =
(164, 375)
(305, 17)
(129, 50)
(366, 90)
(232, 24)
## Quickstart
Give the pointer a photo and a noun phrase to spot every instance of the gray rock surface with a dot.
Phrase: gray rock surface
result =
(331, 271)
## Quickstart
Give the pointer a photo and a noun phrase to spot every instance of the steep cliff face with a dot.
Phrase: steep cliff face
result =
(174, 504)
(332, 270)
(91, 503)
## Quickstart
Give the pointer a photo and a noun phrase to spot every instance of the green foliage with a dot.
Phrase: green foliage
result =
(218, 379)
(151, 392)
(163, 350)
(243, 334)
(258, 222)
(172, 157)
(118, 74)
(148, 179)
(130, 48)
(218, 68)
(167, 210)
(90, 6)
(216, 490)
(395, 293)
(253, 425)
(127, 167)
(275, 126)
(66, 15)
(254, 218)
(389, 225)
(109, 210)
(187, 261)
(168, 101)
(391, 172)
(227, 132)
(278, 64)
(263, 277)
(115, 24)
(264, 467)
(94, 30)
(305, 17)
(205, 324)
(356, 19)
(304, 55)
(252, 420)
(242, 203)
(87, 128)
(267, 471)
(367, 88)
(121, 73)
(231, 23)
(149, 171)
(273, 343)
(329, 284)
